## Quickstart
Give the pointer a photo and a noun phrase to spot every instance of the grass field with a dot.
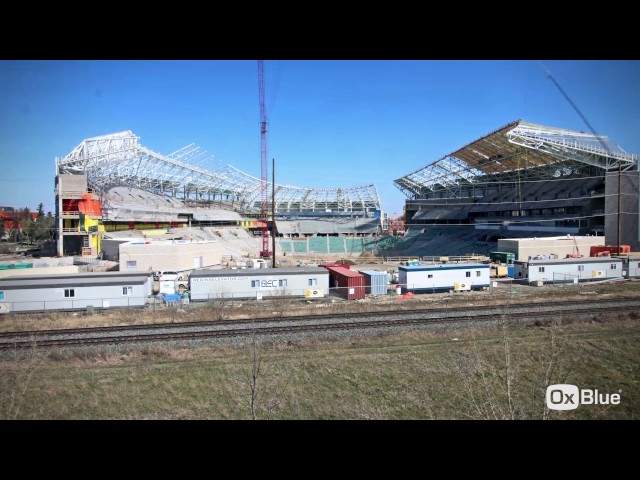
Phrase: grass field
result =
(478, 373)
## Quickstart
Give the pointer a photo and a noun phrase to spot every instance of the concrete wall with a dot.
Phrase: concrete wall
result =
(157, 256)
(629, 224)
(72, 183)
(111, 248)
(560, 246)
(21, 272)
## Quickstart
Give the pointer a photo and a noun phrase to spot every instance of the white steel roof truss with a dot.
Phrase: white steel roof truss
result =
(586, 148)
(120, 159)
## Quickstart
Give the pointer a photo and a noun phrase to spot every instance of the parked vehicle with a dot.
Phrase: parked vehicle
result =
(169, 275)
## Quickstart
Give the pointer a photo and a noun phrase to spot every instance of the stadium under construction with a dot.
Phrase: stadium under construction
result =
(522, 180)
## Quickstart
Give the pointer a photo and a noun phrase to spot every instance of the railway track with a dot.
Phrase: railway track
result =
(308, 324)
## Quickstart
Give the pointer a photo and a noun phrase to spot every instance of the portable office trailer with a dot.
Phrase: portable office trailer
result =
(564, 270)
(630, 264)
(348, 284)
(258, 283)
(74, 292)
(376, 282)
(91, 275)
(446, 277)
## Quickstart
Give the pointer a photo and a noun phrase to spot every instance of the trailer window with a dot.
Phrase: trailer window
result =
(313, 282)
(581, 268)
(127, 291)
(282, 283)
(255, 283)
(613, 266)
(468, 274)
(69, 292)
(541, 269)
(478, 273)
(429, 276)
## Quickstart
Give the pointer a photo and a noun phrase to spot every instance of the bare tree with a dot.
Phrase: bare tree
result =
(216, 306)
(557, 363)
(265, 385)
(255, 363)
(505, 384)
(280, 301)
(509, 367)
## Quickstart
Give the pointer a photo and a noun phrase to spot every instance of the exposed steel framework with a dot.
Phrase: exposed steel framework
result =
(516, 149)
(119, 159)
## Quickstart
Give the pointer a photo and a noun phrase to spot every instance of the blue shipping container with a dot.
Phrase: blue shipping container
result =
(511, 271)
(375, 281)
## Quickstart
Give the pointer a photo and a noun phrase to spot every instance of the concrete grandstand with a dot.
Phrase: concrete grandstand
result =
(113, 183)
(521, 180)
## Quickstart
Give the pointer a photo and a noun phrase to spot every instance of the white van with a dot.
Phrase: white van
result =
(169, 275)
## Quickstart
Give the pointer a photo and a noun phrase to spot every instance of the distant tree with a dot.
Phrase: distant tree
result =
(1, 227)
(44, 228)
(28, 225)
(19, 218)
(40, 210)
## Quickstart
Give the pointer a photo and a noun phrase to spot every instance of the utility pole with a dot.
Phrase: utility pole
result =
(273, 211)
(619, 202)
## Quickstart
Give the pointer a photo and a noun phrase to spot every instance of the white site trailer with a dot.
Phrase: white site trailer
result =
(258, 283)
(569, 270)
(444, 277)
(75, 291)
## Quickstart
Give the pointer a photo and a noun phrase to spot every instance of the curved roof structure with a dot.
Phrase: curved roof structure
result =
(119, 159)
(515, 147)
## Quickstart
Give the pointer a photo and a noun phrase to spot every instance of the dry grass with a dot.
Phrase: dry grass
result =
(412, 376)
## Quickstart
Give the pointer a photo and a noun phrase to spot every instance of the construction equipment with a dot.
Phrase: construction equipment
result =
(264, 253)
(577, 254)
(608, 250)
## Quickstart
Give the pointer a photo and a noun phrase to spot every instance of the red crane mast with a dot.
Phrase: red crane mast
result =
(264, 202)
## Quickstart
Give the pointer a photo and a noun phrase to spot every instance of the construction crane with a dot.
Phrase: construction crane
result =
(264, 253)
(577, 254)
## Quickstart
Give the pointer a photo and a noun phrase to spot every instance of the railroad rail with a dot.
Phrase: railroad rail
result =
(297, 325)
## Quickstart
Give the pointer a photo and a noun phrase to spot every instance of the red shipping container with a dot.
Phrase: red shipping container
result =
(327, 265)
(350, 284)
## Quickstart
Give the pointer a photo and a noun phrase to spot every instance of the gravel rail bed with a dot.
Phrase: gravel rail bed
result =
(298, 327)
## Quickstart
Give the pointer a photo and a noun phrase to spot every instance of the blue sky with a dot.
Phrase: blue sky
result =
(331, 123)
